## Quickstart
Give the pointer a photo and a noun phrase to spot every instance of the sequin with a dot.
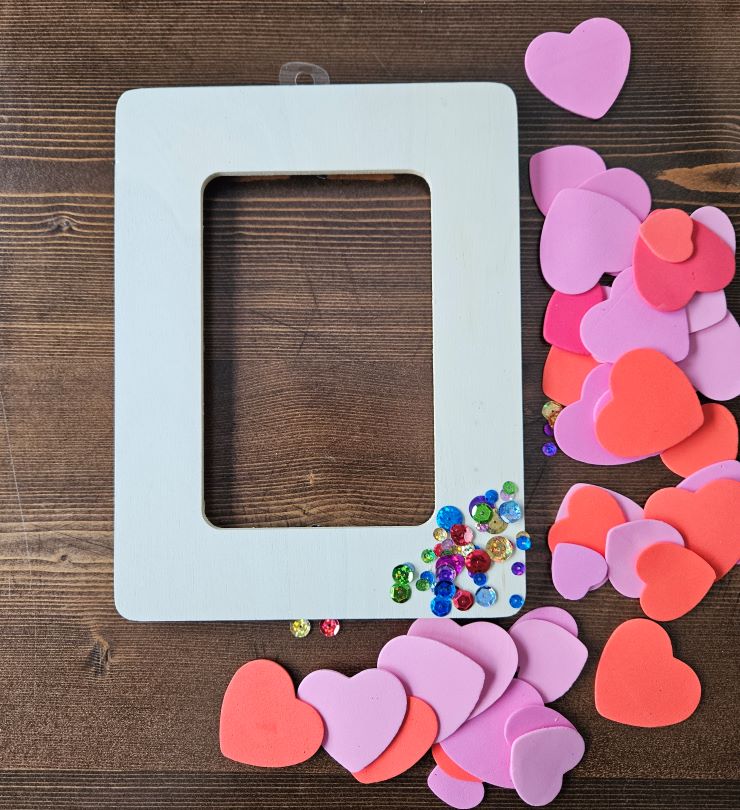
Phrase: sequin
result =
(300, 628)
(400, 592)
(465, 550)
(444, 589)
(428, 555)
(482, 512)
(509, 487)
(478, 499)
(480, 578)
(547, 429)
(330, 627)
(482, 527)
(478, 561)
(461, 534)
(448, 516)
(446, 573)
(510, 511)
(549, 449)
(441, 606)
(523, 541)
(518, 569)
(423, 584)
(439, 534)
(506, 497)
(516, 601)
(485, 596)
(491, 497)
(403, 573)
(448, 544)
(437, 550)
(463, 600)
(551, 410)
(427, 576)
(500, 548)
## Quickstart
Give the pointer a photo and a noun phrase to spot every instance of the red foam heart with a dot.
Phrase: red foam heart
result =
(564, 373)
(563, 316)
(667, 232)
(449, 766)
(716, 440)
(653, 406)
(592, 512)
(708, 519)
(676, 580)
(262, 721)
(639, 682)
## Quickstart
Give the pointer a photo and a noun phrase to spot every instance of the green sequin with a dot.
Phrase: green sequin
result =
(509, 487)
(428, 556)
(482, 513)
(401, 592)
(423, 585)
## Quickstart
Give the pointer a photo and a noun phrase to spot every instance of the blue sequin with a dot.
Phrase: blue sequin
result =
(480, 578)
(446, 573)
(491, 497)
(517, 569)
(428, 576)
(516, 601)
(441, 606)
(444, 589)
(510, 511)
(524, 542)
(448, 516)
(485, 596)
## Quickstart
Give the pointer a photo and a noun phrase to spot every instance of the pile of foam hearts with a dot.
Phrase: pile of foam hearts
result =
(445, 686)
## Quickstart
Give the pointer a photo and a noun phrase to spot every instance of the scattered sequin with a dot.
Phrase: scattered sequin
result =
(518, 568)
(428, 555)
(330, 627)
(465, 550)
(448, 516)
(510, 511)
(439, 534)
(551, 410)
(401, 592)
(463, 600)
(482, 527)
(462, 535)
(509, 487)
(485, 596)
(506, 497)
(482, 512)
(423, 584)
(427, 576)
(446, 573)
(549, 448)
(475, 501)
(500, 548)
(480, 578)
(547, 429)
(448, 544)
(441, 606)
(523, 541)
(300, 628)
(444, 589)
(403, 573)
(516, 601)
(495, 524)
(478, 561)
(491, 497)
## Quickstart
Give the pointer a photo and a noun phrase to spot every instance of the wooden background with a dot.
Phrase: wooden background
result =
(333, 321)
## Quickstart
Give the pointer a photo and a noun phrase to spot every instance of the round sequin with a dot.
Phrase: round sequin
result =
(441, 606)
(400, 592)
(491, 497)
(547, 429)
(495, 524)
(448, 516)
(444, 589)
(463, 600)
(448, 544)
(446, 573)
(478, 561)
(485, 596)
(509, 487)
(549, 449)
(403, 573)
(482, 527)
(330, 627)
(480, 578)
(423, 584)
(550, 410)
(516, 601)
(437, 550)
(478, 499)
(427, 576)
(500, 548)
(300, 628)
(523, 541)
(482, 512)
(439, 534)
(428, 555)
(465, 550)
(518, 568)
(510, 511)
(461, 534)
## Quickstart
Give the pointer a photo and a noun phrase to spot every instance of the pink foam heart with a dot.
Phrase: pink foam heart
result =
(361, 714)
(456, 793)
(574, 428)
(584, 236)
(714, 472)
(576, 570)
(426, 668)
(533, 718)
(716, 220)
(487, 644)
(583, 71)
(539, 760)
(705, 309)
(552, 170)
(624, 186)
(668, 233)
(632, 511)
(562, 324)
(624, 322)
(550, 658)
(712, 363)
(489, 762)
(553, 614)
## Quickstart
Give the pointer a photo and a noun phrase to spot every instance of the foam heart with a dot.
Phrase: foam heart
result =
(576, 570)
(624, 186)
(532, 718)
(564, 373)
(550, 658)
(592, 511)
(540, 759)
(713, 361)
(705, 309)
(625, 543)
(490, 762)
(668, 233)
(487, 644)
(263, 723)
(652, 407)
(413, 740)
(552, 614)
(670, 285)
(714, 472)
(583, 71)
(457, 793)
(361, 714)
(562, 324)
(708, 520)
(559, 167)
(426, 668)
(716, 440)
(631, 510)
(575, 431)
(585, 235)
(675, 578)
(624, 322)
(716, 220)
(449, 766)
(639, 682)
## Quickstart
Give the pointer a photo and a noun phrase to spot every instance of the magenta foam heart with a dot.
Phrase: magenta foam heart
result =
(540, 759)
(361, 714)
(625, 543)
(632, 510)
(533, 718)
(582, 71)
(552, 170)
(716, 220)
(549, 613)
(550, 658)
(562, 324)
(624, 186)
(625, 322)
(712, 362)
(426, 668)
(457, 793)
(585, 235)
(576, 570)
(487, 644)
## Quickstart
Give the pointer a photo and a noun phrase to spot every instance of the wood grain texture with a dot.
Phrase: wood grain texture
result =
(97, 711)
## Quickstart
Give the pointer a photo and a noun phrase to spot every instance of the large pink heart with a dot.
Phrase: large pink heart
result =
(458, 793)
(563, 316)
(585, 235)
(539, 760)
(559, 167)
(553, 614)
(426, 668)
(583, 71)
(576, 570)
(361, 714)
(625, 186)
(532, 718)
(716, 220)
(624, 322)
(632, 510)
(712, 363)
(487, 644)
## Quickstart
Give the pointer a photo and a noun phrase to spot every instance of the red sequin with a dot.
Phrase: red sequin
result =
(478, 561)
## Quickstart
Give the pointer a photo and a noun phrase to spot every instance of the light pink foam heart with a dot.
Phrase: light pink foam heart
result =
(583, 71)
(716, 220)
(361, 714)
(705, 309)
(487, 644)
(552, 170)
(576, 570)
(426, 668)
(622, 185)
(540, 759)
(550, 658)
(489, 762)
(562, 324)
(462, 795)
(713, 361)
(585, 235)
(632, 511)
(714, 472)
(532, 718)
(625, 322)
(553, 614)
(625, 543)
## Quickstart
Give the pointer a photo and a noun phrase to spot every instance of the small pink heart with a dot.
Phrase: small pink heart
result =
(361, 714)
(705, 309)
(553, 614)
(668, 233)
(624, 186)
(533, 718)
(550, 658)
(540, 759)
(562, 325)
(552, 170)
(712, 362)
(576, 570)
(716, 220)
(426, 669)
(583, 71)
(487, 644)
(632, 510)
(457, 793)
